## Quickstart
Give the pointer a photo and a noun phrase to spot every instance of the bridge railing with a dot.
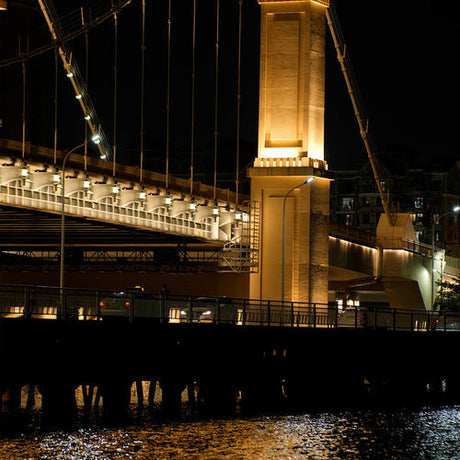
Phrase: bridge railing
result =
(48, 303)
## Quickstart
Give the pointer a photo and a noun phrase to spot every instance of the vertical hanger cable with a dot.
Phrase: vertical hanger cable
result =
(115, 90)
(192, 137)
(216, 100)
(168, 96)
(238, 102)
(141, 161)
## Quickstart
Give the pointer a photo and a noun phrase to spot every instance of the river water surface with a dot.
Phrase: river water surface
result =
(423, 433)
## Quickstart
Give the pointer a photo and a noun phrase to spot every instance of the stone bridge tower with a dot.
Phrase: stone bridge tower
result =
(291, 150)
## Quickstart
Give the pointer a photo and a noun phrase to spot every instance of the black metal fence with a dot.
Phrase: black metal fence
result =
(39, 302)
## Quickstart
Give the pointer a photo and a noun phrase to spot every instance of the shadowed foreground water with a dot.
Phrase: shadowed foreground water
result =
(427, 433)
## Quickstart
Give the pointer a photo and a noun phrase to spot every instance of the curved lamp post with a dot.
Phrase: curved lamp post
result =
(61, 272)
(454, 210)
(308, 181)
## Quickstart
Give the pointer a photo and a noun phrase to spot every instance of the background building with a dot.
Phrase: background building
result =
(426, 192)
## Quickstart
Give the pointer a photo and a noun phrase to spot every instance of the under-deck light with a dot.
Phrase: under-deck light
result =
(86, 184)
(168, 200)
(115, 189)
(142, 195)
(56, 178)
(24, 172)
(215, 211)
(238, 216)
(456, 209)
(103, 156)
(192, 206)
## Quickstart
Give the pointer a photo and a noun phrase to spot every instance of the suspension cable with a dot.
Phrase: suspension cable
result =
(141, 160)
(192, 139)
(168, 96)
(238, 105)
(85, 154)
(24, 96)
(216, 99)
(56, 65)
(115, 90)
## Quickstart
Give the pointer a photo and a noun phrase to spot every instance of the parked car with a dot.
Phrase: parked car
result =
(352, 317)
(204, 310)
(116, 305)
(447, 321)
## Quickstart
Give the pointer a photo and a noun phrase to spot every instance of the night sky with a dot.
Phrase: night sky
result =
(404, 56)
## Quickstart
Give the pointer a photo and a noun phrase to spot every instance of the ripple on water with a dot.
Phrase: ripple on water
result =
(426, 433)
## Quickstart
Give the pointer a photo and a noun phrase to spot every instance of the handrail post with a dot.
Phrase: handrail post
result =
(244, 313)
(130, 308)
(268, 313)
(292, 314)
(162, 307)
(356, 318)
(26, 303)
(314, 315)
(98, 306)
(63, 304)
(336, 320)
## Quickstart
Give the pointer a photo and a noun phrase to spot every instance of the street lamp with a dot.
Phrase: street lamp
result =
(452, 211)
(308, 181)
(61, 276)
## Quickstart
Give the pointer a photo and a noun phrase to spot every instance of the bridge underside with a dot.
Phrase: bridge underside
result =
(31, 242)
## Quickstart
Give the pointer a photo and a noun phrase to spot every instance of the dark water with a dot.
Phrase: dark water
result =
(426, 433)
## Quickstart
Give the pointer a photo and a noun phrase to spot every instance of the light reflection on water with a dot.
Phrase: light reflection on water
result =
(428, 433)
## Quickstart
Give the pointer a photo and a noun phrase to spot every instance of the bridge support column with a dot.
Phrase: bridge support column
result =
(306, 237)
(115, 396)
(171, 388)
(58, 403)
(11, 398)
(290, 150)
(217, 396)
(263, 391)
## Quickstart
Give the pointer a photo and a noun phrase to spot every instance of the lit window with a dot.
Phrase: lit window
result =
(347, 204)
(418, 202)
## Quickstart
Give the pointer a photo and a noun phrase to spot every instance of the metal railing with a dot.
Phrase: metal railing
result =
(104, 211)
(34, 303)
